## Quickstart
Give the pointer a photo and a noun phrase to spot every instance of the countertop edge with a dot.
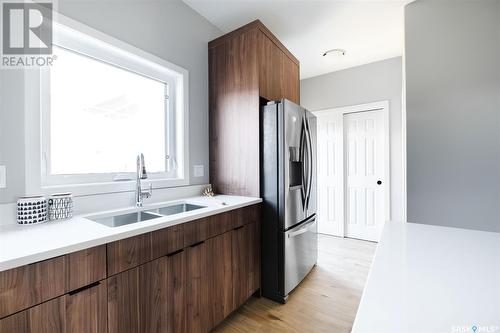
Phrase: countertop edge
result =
(78, 246)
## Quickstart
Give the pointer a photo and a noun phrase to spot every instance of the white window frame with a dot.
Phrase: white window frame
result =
(82, 39)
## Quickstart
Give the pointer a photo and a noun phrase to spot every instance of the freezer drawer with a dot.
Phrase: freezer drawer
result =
(301, 253)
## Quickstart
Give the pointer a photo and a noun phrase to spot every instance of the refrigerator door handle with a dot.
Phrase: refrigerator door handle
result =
(304, 228)
(309, 164)
(303, 143)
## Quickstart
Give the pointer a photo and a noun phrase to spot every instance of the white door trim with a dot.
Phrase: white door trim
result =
(374, 106)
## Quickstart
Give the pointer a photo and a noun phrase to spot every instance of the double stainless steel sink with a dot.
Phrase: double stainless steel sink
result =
(129, 218)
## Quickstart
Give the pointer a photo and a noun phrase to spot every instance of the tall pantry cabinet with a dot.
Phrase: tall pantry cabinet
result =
(247, 68)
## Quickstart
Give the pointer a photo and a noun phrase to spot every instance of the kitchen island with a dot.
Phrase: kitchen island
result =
(432, 279)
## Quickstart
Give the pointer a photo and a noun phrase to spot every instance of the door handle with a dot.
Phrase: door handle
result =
(197, 244)
(76, 291)
(379, 182)
(175, 253)
(302, 230)
(303, 189)
(310, 164)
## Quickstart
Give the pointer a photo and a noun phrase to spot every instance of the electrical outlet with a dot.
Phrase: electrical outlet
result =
(199, 170)
(3, 176)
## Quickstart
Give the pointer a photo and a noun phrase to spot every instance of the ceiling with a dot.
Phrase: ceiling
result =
(368, 30)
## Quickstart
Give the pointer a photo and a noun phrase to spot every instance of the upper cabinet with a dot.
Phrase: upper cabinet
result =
(247, 67)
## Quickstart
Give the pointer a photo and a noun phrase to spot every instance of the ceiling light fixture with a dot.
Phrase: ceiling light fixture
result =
(337, 52)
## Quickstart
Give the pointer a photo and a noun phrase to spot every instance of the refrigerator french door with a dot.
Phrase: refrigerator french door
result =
(288, 189)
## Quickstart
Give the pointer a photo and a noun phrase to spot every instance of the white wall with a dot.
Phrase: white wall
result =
(168, 29)
(453, 113)
(373, 82)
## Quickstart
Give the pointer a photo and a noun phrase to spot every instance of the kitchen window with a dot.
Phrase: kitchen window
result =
(102, 105)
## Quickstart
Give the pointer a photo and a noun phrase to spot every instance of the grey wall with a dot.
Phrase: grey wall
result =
(453, 113)
(168, 29)
(12, 132)
(373, 82)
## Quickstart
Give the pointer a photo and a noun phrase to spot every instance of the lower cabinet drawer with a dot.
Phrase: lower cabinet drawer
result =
(168, 240)
(48, 317)
(247, 215)
(221, 223)
(86, 267)
(128, 253)
(25, 286)
(84, 311)
(196, 231)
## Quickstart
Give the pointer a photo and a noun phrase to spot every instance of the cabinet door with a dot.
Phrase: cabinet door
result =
(247, 215)
(168, 240)
(246, 262)
(196, 231)
(86, 267)
(176, 292)
(291, 80)
(25, 286)
(136, 300)
(148, 298)
(128, 253)
(197, 305)
(270, 68)
(240, 265)
(86, 310)
(220, 278)
(48, 317)
(123, 302)
(254, 257)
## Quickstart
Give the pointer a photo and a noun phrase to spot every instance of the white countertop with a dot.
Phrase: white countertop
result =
(26, 244)
(432, 279)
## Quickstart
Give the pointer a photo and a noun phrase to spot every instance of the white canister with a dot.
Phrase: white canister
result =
(32, 210)
(60, 206)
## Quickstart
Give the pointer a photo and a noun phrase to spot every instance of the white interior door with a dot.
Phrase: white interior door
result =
(364, 152)
(330, 174)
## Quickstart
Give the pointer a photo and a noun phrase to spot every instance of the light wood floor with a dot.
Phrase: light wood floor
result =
(326, 301)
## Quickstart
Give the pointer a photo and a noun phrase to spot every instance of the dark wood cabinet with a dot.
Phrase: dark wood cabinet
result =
(195, 231)
(176, 292)
(80, 311)
(33, 284)
(290, 83)
(86, 309)
(197, 288)
(86, 267)
(123, 302)
(48, 317)
(167, 241)
(247, 67)
(234, 115)
(221, 223)
(254, 272)
(271, 69)
(220, 278)
(149, 298)
(185, 278)
(137, 299)
(240, 265)
(18, 322)
(245, 262)
(128, 253)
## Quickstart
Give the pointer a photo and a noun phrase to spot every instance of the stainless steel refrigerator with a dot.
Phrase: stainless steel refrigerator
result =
(288, 189)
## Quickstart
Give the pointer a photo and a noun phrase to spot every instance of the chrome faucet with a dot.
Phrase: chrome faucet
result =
(141, 174)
